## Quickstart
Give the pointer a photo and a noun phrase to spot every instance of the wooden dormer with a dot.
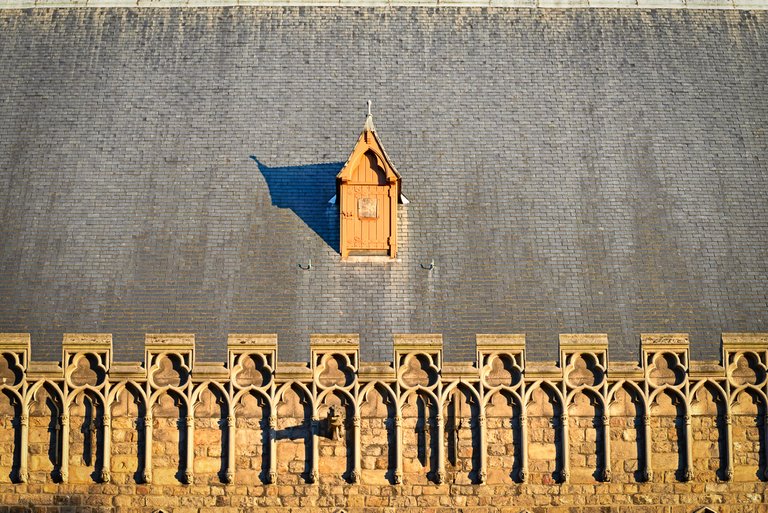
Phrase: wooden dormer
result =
(369, 189)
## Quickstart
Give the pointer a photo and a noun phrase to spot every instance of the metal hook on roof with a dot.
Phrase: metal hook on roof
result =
(430, 266)
(307, 267)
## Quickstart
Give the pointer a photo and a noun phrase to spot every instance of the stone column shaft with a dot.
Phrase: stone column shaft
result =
(147, 449)
(231, 428)
(523, 444)
(106, 464)
(440, 477)
(688, 475)
(765, 437)
(189, 464)
(356, 471)
(483, 471)
(398, 477)
(64, 462)
(607, 474)
(24, 456)
(647, 447)
(565, 473)
(272, 449)
(314, 440)
(728, 447)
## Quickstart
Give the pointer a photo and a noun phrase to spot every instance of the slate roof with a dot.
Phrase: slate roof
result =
(580, 170)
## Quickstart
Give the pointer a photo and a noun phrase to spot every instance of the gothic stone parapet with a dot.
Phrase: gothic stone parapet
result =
(501, 420)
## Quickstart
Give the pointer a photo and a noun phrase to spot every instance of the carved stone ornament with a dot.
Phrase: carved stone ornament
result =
(252, 383)
(335, 424)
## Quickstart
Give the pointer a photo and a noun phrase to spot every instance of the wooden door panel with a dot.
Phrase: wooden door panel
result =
(367, 219)
(367, 201)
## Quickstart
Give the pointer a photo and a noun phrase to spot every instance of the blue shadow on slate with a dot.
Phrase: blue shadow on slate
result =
(307, 191)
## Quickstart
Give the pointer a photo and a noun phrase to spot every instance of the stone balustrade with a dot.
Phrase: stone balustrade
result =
(501, 421)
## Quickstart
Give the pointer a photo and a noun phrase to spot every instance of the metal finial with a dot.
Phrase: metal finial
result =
(369, 107)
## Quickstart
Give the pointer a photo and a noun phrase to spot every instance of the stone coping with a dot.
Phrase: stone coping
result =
(530, 4)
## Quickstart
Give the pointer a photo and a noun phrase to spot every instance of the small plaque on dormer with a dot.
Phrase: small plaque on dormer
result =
(366, 208)
(369, 190)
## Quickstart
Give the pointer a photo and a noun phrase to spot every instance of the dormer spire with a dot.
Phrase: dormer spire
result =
(369, 120)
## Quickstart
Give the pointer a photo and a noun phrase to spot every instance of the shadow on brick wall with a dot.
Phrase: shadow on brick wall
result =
(306, 190)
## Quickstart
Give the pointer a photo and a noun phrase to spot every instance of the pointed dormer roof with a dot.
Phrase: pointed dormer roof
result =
(368, 140)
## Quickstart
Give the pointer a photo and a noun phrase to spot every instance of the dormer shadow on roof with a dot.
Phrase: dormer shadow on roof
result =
(368, 191)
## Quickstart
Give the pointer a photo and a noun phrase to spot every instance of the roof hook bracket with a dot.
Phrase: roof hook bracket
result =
(430, 266)
(307, 267)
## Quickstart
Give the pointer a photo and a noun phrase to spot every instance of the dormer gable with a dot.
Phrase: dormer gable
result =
(368, 192)
(368, 143)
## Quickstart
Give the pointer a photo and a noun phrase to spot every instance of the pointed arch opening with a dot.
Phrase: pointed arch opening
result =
(169, 448)
(295, 430)
(46, 410)
(585, 415)
(627, 410)
(377, 416)
(504, 425)
(545, 443)
(461, 412)
(749, 435)
(10, 436)
(252, 437)
(86, 437)
(709, 410)
(211, 434)
(668, 411)
(129, 413)
(420, 442)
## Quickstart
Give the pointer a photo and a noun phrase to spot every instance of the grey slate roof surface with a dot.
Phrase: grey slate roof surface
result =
(568, 171)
